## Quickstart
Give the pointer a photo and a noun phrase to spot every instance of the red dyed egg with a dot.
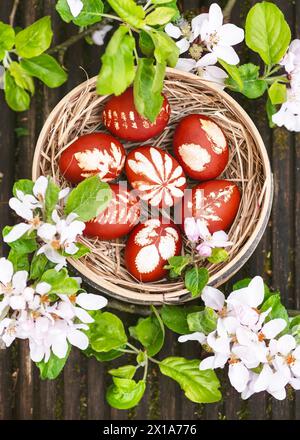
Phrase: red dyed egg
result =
(200, 147)
(149, 247)
(119, 218)
(91, 154)
(216, 202)
(122, 119)
(156, 175)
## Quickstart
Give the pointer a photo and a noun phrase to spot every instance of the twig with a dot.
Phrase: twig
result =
(13, 12)
(228, 9)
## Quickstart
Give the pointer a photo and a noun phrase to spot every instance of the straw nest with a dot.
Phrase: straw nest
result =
(80, 113)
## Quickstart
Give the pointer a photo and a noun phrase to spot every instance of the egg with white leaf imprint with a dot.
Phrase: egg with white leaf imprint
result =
(122, 119)
(200, 147)
(215, 202)
(119, 218)
(93, 154)
(156, 176)
(149, 247)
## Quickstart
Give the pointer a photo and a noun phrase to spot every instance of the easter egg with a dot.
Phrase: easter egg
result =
(149, 247)
(200, 147)
(119, 218)
(121, 118)
(91, 154)
(155, 175)
(216, 202)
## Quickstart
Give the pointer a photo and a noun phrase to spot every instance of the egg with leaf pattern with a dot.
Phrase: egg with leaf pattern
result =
(119, 218)
(91, 154)
(121, 118)
(149, 247)
(156, 176)
(200, 147)
(216, 202)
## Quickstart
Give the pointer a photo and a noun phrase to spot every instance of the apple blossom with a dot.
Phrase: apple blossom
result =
(188, 32)
(289, 113)
(219, 38)
(291, 60)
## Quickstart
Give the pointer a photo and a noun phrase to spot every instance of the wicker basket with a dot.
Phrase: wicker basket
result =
(80, 112)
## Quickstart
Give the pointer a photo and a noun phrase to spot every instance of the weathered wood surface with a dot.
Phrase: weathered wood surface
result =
(79, 394)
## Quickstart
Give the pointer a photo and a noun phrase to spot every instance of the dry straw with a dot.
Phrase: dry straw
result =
(80, 112)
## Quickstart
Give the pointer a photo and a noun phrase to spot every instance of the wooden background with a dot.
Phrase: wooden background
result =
(79, 392)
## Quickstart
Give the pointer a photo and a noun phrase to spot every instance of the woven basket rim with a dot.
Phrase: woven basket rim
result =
(242, 255)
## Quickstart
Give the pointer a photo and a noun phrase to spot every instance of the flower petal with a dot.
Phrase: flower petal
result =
(173, 31)
(264, 378)
(60, 346)
(6, 271)
(37, 352)
(213, 298)
(197, 23)
(17, 302)
(285, 344)
(230, 34)
(196, 336)
(272, 328)
(215, 16)
(90, 301)
(78, 339)
(40, 186)
(21, 209)
(183, 45)
(17, 232)
(42, 288)
(83, 315)
(75, 7)
(46, 232)
(19, 281)
(185, 64)
(226, 53)
(238, 375)
(207, 363)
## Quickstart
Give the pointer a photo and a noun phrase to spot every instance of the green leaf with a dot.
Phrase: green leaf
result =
(267, 32)
(60, 282)
(51, 199)
(147, 88)
(271, 110)
(175, 317)
(218, 256)
(234, 74)
(253, 87)
(204, 321)
(170, 4)
(38, 266)
(160, 16)
(7, 38)
(106, 333)
(196, 279)
(88, 199)
(45, 68)
(90, 13)
(159, 2)
(24, 185)
(54, 366)
(150, 333)
(19, 261)
(117, 71)
(125, 393)
(103, 356)
(21, 77)
(16, 97)
(278, 309)
(25, 244)
(178, 263)
(277, 93)
(35, 39)
(165, 50)
(198, 386)
(241, 284)
(82, 251)
(146, 44)
(126, 371)
(129, 11)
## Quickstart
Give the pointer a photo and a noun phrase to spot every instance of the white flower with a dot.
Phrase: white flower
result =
(189, 33)
(76, 306)
(12, 286)
(289, 113)
(291, 60)
(286, 355)
(99, 35)
(196, 336)
(210, 241)
(205, 68)
(75, 6)
(60, 236)
(219, 38)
